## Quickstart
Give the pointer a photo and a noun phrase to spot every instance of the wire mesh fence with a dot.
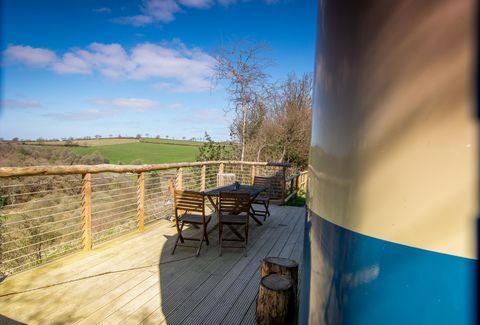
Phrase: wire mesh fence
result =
(44, 217)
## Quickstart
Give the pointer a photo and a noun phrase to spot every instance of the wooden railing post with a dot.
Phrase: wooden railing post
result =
(253, 174)
(283, 184)
(297, 188)
(221, 168)
(202, 178)
(140, 201)
(87, 212)
(180, 178)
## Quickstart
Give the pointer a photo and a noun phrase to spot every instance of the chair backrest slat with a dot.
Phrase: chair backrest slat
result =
(189, 201)
(264, 181)
(234, 203)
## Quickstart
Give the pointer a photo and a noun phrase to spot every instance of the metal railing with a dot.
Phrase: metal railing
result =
(50, 211)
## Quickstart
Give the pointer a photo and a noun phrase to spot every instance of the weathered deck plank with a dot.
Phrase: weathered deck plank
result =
(230, 287)
(135, 279)
(221, 267)
(234, 312)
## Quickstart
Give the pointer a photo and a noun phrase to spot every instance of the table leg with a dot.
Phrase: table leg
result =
(253, 214)
(255, 218)
(215, 206)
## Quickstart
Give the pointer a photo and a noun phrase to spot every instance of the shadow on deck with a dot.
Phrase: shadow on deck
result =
(135, 279)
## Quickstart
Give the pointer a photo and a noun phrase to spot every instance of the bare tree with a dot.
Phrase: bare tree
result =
(242, 66)
(278, 127)
(289, 125)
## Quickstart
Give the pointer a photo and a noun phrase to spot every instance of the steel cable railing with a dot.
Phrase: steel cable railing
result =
(43, 217)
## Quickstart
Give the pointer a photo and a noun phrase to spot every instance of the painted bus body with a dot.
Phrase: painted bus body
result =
(392, 194)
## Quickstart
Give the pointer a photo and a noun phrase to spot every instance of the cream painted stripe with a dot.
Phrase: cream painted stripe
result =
(334, 200)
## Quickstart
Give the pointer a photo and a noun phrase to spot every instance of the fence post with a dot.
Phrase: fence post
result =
(297, 188)
(202, 179)
(283, 184)
(180, 178)
(253, 174)
(140, 201)
(87, 212)
(221, 168)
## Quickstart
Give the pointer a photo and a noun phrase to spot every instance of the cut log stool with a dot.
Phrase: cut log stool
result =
(274, 302)
(277, 269)
(282, 266)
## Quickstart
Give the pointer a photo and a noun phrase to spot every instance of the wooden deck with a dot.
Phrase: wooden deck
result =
(134, 279)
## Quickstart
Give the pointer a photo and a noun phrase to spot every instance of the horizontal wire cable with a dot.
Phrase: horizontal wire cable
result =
(42, 225)
(116, 220)
(34, 218)
(39, 200)
(117, 201)
(16, 258)
(113, 190)
(46, 240)
(43, 233)
(117, 195)
(46, 191)
(34, 210)
(115, 214)
(116, 208)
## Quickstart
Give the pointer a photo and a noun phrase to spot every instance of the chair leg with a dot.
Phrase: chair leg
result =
(179, 237)
(199, 247)
(176, 243)
(205, 234)
(246, 239)
(220, 229)
(267, 211)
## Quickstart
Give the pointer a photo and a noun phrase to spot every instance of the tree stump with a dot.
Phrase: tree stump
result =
(274, 302)
(282, 266)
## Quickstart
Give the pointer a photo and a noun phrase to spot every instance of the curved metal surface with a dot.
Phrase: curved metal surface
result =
(393, 161)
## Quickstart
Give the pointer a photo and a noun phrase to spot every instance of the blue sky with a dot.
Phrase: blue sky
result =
(82, 68)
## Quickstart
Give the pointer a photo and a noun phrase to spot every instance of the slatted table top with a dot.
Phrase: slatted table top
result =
(252, 190)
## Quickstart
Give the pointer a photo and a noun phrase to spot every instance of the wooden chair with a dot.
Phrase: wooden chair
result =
(189, 208)
(263, 199)
(233, 210)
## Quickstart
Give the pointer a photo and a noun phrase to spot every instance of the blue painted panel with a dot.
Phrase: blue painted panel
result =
(365, 280)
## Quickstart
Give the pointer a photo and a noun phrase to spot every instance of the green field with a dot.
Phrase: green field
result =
(149, 153)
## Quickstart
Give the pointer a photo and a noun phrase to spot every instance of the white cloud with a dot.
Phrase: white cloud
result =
(19, 103)
(84, 115)
(161, 10)
(152, 11)
(164, 11)
(197, 3)
(71, 63)
(137, 20)
(35, 57)
(139, 104)
(173, 66)
(102, 10)
(226, 2)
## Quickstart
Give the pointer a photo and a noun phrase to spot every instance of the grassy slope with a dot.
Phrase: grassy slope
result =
(150, 153)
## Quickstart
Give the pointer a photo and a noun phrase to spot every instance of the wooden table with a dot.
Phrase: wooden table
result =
(254, 191)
